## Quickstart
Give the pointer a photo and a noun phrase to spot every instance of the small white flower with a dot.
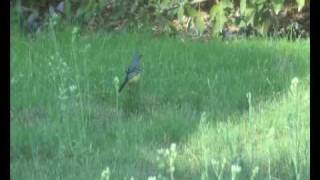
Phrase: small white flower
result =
(224, 161)
(72, 88)
(214, 162)
(62, 90)
(152, 178)
(105, 174)
(116, 80)
(75, 30)
(55, 15)
(171, 169)
(294, 83)
(62, 94)
(54, 19)
(173, 147)
(235, 169)
(249, 96)
(255, 170)
(74, 33)
(295, 80)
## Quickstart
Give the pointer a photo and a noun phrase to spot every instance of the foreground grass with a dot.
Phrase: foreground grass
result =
(66, 124)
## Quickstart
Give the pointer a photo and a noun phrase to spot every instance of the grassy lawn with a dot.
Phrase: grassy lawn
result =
(66, 123)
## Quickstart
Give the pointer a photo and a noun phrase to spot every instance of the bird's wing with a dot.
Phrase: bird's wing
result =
(135, 64)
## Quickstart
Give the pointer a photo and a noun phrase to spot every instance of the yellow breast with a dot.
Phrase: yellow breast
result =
(134, 79)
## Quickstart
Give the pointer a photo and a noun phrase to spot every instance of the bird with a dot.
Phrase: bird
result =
(133, 72)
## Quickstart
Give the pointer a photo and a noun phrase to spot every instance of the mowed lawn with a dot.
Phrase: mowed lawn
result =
(238, 108)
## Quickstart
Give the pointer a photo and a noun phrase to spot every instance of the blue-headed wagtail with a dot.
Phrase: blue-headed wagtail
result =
(133, 72)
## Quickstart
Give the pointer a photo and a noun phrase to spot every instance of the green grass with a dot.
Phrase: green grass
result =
(77, 135)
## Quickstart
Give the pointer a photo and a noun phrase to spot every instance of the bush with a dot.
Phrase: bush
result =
(197, 18)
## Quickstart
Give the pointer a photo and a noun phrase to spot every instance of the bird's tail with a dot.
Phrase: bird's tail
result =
(122, 85)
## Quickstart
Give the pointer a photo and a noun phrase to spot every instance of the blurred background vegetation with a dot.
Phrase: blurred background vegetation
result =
(194, 18)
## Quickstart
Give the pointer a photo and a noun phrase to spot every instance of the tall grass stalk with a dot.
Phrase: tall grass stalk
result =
(116, 88)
